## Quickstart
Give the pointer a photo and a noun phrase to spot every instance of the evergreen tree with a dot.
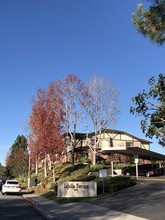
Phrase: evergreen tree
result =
(151, 22)
(17, 160)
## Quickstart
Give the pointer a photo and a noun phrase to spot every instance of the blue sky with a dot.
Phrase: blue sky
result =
(44, 40)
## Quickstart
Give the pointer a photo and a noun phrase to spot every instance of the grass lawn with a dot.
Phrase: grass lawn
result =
(64, 173)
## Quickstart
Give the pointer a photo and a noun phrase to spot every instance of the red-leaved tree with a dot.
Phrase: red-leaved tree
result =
(37, 124)
(45, 123)
(55, 119)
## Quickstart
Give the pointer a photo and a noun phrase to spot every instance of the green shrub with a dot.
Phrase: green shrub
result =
(52, 185)
(85, 160)
(44, 182)
(86, 178)
(121, 165)
(112, 184)
(65, 174)
(98, 167)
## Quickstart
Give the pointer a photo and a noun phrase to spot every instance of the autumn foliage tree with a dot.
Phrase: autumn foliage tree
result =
(45, 120)
(55, 119)
(37, 124)
(63, 109)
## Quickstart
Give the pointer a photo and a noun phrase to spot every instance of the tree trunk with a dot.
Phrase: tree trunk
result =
(53, 174)
(36, 167)
(45, 167)
(50, 165)
(94, 150)
(94, 156)
(72, 148)
(73, 145)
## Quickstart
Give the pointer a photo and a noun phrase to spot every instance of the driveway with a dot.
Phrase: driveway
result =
(146, 199)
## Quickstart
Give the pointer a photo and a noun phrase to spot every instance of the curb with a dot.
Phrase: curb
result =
(36, 206)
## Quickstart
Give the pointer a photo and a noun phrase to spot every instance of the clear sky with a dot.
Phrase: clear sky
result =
(43, 40)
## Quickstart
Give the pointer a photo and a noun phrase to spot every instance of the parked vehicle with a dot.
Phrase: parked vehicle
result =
(11, 186)
(2, 181)
(143, 170)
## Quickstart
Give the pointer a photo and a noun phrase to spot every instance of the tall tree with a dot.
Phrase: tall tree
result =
(55, 119)
(151, 105)
(33, 151)
(2, 171)
(73, 91)
(20, 163)
(19, 143)
(101, 104)
(44, 122)
(37, 124)
(17, 159)
(151, 22)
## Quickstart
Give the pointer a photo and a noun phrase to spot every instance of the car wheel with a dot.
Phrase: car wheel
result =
(148, 174)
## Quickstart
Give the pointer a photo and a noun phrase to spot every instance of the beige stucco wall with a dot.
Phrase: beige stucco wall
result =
(116, 140)
(121, 140)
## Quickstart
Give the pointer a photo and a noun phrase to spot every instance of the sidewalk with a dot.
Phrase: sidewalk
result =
(75, 211)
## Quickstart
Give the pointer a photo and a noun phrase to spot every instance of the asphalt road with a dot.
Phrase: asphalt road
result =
(16, 208)
(146, 200)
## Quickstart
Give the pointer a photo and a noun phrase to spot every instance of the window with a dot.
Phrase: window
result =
(129, 144)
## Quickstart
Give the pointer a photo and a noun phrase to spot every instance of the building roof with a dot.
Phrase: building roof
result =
(132, 151)
(123, 132)
(113, 132)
